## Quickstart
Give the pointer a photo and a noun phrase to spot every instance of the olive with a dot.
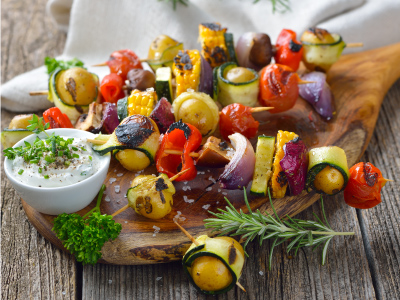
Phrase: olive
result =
(140, 79)
(329, 181)
(239, 75)
(77, 86)
(133, 160)
(317, 36)
(210, 274)
(197, 113)
(158, 46)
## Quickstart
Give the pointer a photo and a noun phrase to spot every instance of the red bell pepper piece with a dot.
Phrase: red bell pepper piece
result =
(111, 88)
(289, 51)
(182, 137)
(56, 118)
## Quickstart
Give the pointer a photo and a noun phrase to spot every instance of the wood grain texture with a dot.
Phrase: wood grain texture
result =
(31, 267)
(358, 98)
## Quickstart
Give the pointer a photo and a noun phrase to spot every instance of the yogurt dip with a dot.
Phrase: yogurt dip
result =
(57, 173)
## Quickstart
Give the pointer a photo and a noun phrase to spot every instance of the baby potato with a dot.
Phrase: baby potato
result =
(197, 113)
(159, 45)
(197, 109)
(77, 86)
(133, 160)
(210, 273)
(239, 75)
(329, 181)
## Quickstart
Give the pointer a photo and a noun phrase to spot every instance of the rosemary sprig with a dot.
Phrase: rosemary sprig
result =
(300, 233)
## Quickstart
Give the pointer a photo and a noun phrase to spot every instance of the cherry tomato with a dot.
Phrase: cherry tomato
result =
(364, 187)
(121, 61)
(111, 88)
(237, 118)
(278, 87)
(289, 51)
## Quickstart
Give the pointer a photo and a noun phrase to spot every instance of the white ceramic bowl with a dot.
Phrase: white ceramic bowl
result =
(66, 199)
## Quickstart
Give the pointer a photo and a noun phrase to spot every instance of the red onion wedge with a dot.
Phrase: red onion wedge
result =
(318, 94)
(162, 115)
(206, 78)
(110, 118)
(254, 50)
(294, 164)
(239, 171)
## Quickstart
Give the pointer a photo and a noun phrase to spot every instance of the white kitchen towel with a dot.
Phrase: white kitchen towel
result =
(98, 27)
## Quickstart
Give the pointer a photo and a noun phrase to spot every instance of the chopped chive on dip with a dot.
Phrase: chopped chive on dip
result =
(20, 172)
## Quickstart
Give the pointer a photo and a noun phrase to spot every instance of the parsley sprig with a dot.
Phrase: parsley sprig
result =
(300, 233)
(53, 64)
(85, 236)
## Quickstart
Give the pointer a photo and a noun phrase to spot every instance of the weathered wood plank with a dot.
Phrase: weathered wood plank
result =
(31, 267)
(382, 222)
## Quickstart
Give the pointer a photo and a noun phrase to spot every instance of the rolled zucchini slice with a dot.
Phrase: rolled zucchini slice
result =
(225, 250)
(75, 90)
(167, 57)
(328, 172)
(321, 56)
(197, 109)
(229, 92)
(9, 137)
(135, 132)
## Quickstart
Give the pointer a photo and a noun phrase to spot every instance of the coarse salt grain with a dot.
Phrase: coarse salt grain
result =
(207, 206)
(107, 199)
(117, 188)
(261, 273)
(110, 281)
(158, 278)
(155, 227)
(112, 180)
(120, 174)
(115, 170)
(219, 190)
(63, 292)
(209, 189)
(126, 222)
(223, 193)
(185, 182)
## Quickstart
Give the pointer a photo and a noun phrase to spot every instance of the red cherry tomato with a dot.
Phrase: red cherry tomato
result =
(364, 187)
(111, 88)
(289, 51)
(121, 61)
(278, 87)
(237, 118)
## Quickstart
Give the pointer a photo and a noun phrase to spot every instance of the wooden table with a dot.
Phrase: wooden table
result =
(365, 266)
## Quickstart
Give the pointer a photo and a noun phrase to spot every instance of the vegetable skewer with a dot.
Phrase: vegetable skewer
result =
(122, 209)
(194, 241)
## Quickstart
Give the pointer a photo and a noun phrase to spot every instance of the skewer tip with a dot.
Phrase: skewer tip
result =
(178, 175)
(258, 109)
(100, 65)
(240, 286)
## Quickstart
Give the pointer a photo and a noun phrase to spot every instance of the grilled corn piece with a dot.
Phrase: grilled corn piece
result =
(212, 38)
(278, 181)
(141, 103)
(187, 68)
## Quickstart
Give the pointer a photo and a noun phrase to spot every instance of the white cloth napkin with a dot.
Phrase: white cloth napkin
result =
(96, 28)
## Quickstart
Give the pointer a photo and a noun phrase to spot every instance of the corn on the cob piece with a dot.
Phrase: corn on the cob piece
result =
(213, 43)
(278, 181)
(187, 68)
(141, 103)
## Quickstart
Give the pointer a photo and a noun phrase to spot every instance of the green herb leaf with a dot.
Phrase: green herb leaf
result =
(301, 232)
(52, 64)
(85, 236)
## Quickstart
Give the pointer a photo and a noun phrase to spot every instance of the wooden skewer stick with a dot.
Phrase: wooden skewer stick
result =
(257, 109)
(100, 65)
(122, 209)
(177, 152)
(38, 93)
(194, 241)
(305, 82)
(354, 45)
(388, 180)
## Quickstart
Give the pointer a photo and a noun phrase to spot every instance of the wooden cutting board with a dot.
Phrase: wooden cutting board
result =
(359, 83)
